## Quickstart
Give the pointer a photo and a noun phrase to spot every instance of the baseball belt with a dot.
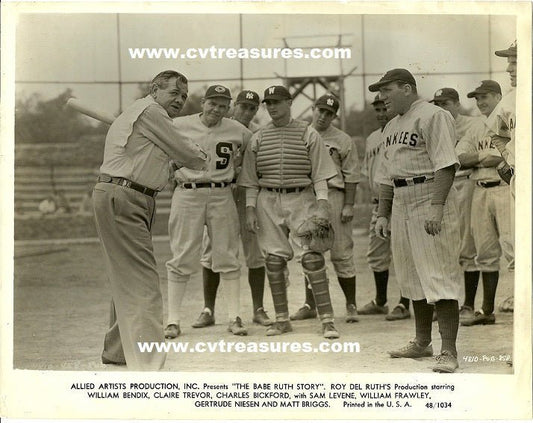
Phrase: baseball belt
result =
(285, 190)
(411, 181)
(489, 184)
(123, 182)
(193, 185)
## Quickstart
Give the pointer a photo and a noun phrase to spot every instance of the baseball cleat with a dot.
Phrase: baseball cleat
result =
(412, 350)
(329, 330)
(480, 318)
(116, 363)
(398, 313)
(261, 318)
(466, 313)
(279, 328)
(446, 363)
(237, 328)
(373, 308)
(205, 319)
(305, 312)
(351, 314)
(172, 331)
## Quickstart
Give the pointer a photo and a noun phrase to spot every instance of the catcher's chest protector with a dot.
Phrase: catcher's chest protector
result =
(282, 156)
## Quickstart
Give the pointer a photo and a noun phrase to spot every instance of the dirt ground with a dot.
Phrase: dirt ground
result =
(61, 305)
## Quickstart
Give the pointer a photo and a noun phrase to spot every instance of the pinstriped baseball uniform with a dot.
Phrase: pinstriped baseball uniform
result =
(344, 154)
(379, 253)
(213, 207)
(490, 202)
(418, 143)
(464, 190)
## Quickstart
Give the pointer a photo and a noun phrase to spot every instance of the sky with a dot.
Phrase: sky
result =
(89, 52)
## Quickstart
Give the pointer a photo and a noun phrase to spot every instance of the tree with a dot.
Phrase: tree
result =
(39, 121)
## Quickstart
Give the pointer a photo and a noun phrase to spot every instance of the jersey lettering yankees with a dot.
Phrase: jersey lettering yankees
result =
(224, 143)
(418, 143)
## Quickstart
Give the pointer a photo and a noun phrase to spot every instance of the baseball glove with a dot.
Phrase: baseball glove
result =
(505, 172)
(316, 234)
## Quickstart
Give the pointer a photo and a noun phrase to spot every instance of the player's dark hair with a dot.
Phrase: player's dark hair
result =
(162, 78)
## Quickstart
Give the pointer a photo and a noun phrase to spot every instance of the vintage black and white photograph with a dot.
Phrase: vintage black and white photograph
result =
(301, 209)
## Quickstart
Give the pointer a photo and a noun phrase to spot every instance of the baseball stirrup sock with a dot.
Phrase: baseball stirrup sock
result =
(210, 282)
(279, 294)
(348, 287)
(176, 293)
(405, 302)
(490, 283)
(471, 282)
(423, 321)
(256, 280)
(319, 284)
(448, 318)
(381, 280)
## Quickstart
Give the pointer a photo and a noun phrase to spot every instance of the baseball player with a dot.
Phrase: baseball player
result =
(245, 108)
(490, 204)
(204, 198)
(419, 163)
(285, 172)
(448, 99)
(379, 252)
(135, 167)
(502, 124)
(341, 197)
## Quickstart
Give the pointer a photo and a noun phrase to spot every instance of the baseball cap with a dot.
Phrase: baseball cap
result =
(487, 86)
(277, 92)
(511, 51)
(328, 102)
(248, 97)
(393, 75)
(445, 94)
(377, 100)
(217, 91)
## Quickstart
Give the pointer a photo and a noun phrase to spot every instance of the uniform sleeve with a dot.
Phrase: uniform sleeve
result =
(466, 144)
(351, 166)
(323, 167)
(248, 175)
(440, 138)
(157, 126)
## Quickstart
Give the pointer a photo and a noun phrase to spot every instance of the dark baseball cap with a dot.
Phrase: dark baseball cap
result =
(377, 100)
(445, 94)
(328, 102)
(487, 86)
(277, 92)
(218, 91)
(510, 52)
(248, 97)
(393, 75)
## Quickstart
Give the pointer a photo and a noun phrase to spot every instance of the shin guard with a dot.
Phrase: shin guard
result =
(314, 267)
(275, 269)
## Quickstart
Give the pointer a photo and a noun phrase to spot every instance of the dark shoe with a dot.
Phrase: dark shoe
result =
(329, 331)
(507, 305)
(373, 308)
(279, 328)
(261, 318)
(446, 363)
(466, 313)
(205, 319)
(237, 328)
(412, 350)
(172, 331)
(398, 313)
(351, 314)
(304, 313)
(480, 318)
(116, 363)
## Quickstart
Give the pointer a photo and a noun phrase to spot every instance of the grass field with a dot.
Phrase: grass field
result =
(61, 304)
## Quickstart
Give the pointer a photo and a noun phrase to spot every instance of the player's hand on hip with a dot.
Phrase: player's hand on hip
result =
(347, 213)
(382, 228)
(323, 209)
(251, 219)
(433, 225)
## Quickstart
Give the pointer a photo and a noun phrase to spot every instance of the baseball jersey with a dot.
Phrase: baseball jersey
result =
(344, 154)
(502, 122)
(477, 140)
(322, 167)
(372, 160)
(462, 125)
(418, 143)
(223, 142)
